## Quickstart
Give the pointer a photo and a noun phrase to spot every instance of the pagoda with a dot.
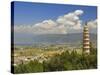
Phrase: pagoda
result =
(86, 40)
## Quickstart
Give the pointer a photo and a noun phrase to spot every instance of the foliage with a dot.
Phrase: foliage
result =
(65, 61)
(72, 61)
(32, 66)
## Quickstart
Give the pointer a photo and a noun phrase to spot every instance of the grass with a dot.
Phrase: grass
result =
(22, 53)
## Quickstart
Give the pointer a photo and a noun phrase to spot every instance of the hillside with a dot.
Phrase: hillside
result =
(73, 39)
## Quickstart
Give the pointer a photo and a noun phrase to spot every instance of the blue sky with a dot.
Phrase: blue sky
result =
(27, 13)
(40, 18)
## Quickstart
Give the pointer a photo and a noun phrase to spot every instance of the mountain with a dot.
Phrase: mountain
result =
(74, 38)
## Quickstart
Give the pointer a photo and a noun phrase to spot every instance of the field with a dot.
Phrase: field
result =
(25, 54)
(52, 58)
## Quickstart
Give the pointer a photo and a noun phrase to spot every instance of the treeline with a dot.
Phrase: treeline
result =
(63, 62)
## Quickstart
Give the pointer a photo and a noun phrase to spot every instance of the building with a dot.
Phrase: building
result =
(86, 40)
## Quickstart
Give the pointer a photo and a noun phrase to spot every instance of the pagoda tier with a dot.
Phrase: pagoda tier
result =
(86, 40)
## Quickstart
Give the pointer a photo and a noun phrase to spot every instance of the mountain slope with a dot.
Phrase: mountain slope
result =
(53, 38)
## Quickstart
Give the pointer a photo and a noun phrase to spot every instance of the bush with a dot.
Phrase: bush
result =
(32, 66)
(65, 61)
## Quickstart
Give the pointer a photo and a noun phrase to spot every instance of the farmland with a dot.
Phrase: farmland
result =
(52, 58)
(25, 54)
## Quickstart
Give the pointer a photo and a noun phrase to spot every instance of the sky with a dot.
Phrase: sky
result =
(31, 13)
(43, 18)
(31, 19)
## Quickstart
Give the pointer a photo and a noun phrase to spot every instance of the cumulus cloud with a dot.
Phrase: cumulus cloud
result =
(78, 12)
(46, 24)
(71, 20)
(68, 23)
(92, 24)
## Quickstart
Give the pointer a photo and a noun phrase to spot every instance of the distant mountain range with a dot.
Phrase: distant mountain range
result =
(74, 38)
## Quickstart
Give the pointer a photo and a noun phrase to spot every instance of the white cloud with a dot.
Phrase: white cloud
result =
(68, 23)
(71, 21)
(78, 12)
(92, 24)
(46, 24)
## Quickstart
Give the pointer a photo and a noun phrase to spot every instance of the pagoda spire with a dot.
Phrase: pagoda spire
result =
(86, 40)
